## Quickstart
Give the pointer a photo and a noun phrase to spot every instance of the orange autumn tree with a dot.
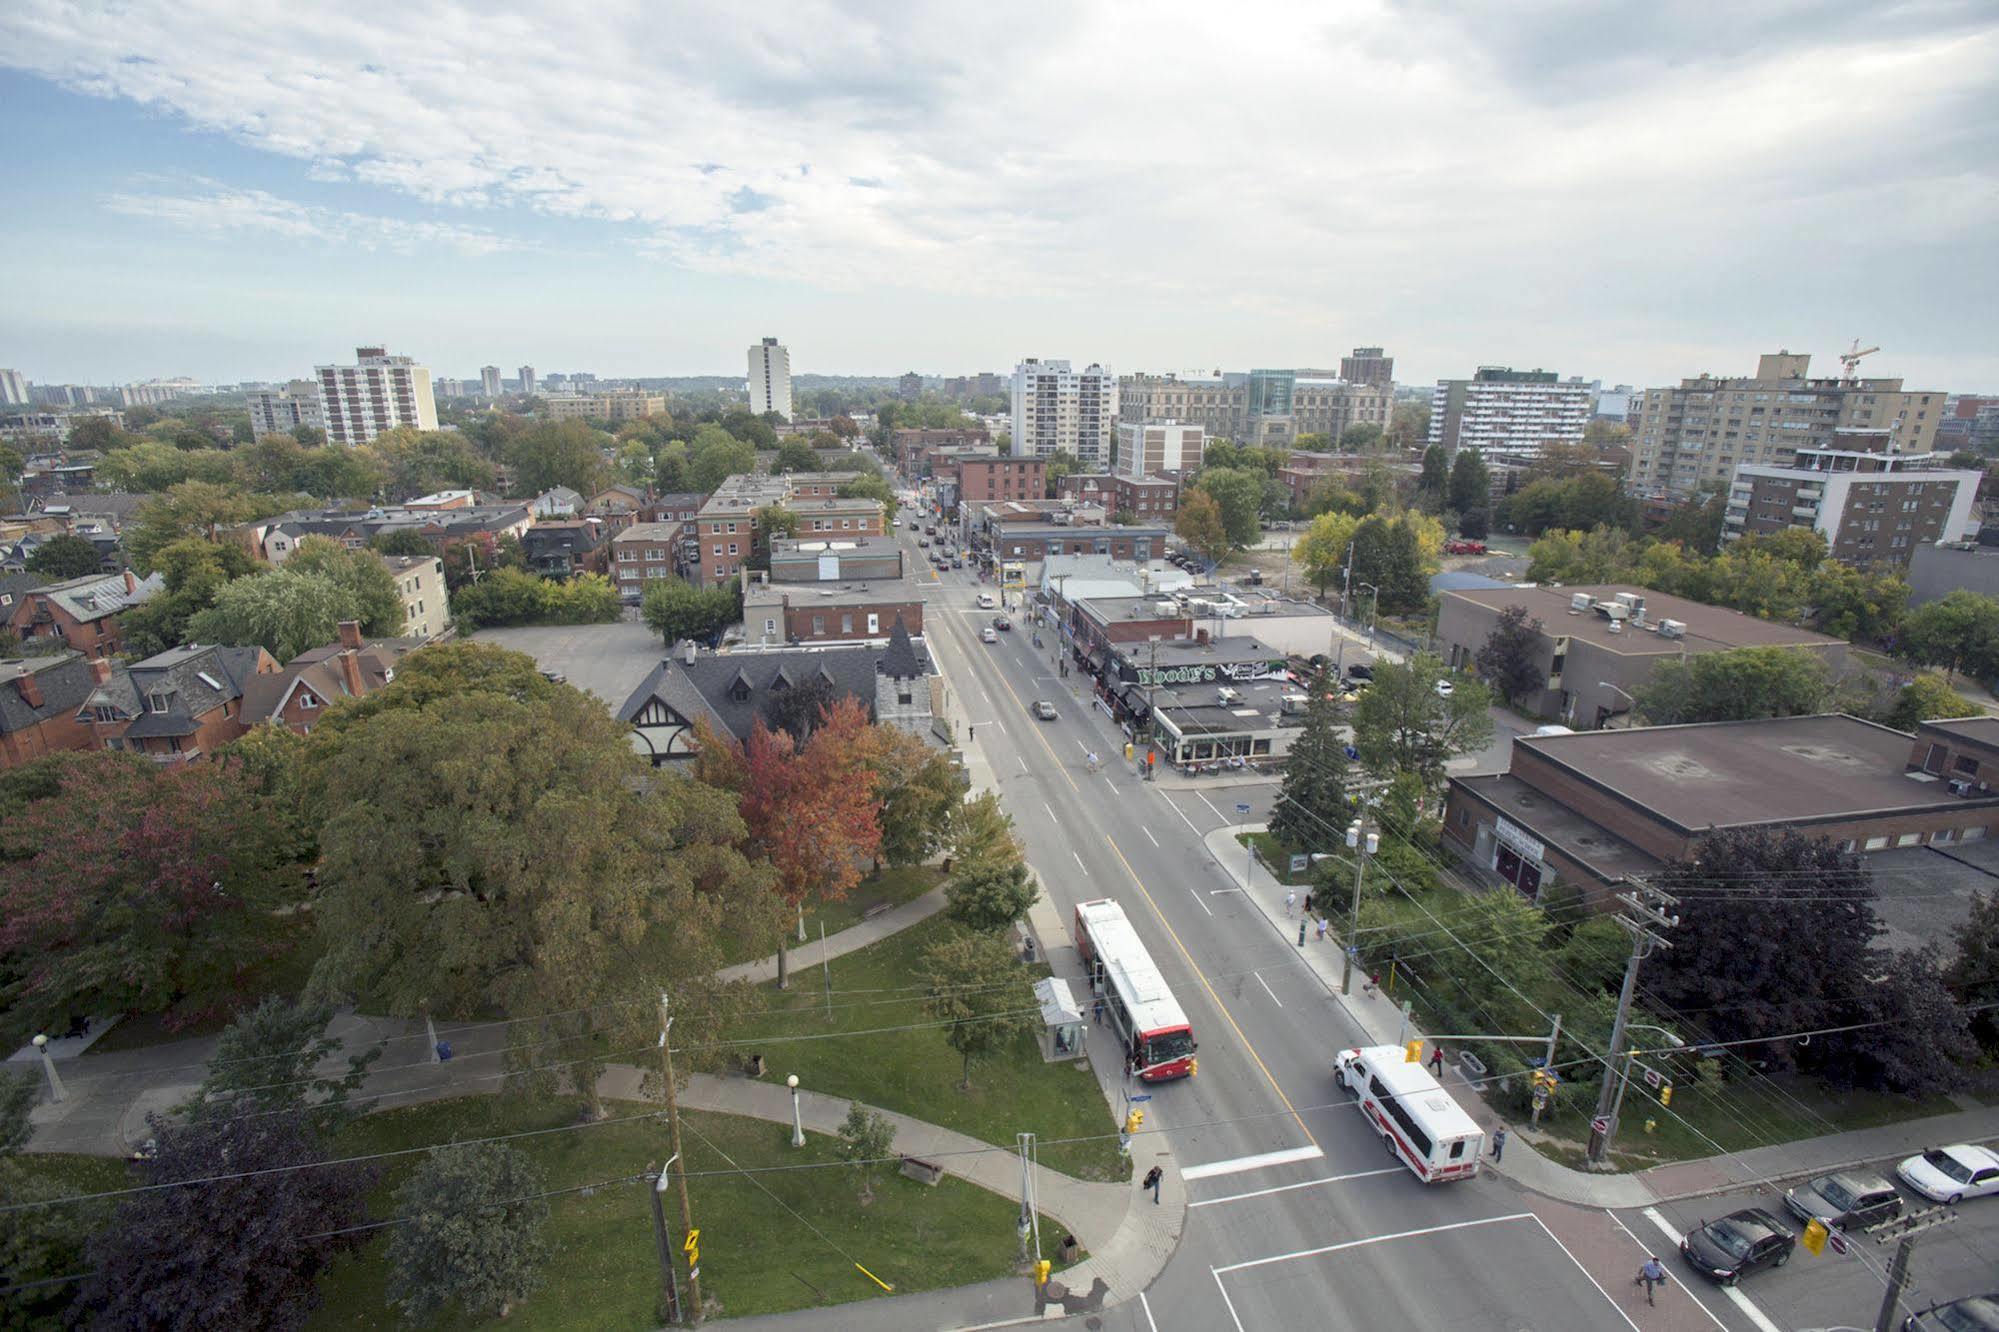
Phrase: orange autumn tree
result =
(811, 810)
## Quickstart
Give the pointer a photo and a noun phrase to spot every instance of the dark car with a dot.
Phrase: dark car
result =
(1738, 1243)
(1002, 623)
(1844, 1200)
(1360, 672)
(1973, 1313)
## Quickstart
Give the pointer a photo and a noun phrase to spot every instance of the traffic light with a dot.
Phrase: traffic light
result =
(1133, 1119)
(1666, 1093)
(1412, 1053)
(1193, 1067)
(1041, 1270)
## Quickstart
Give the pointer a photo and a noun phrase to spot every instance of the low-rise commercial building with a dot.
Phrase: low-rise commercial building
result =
(992, 476)
(1939, 570)
(1598, 645)
(850, 612)
(1150, 499)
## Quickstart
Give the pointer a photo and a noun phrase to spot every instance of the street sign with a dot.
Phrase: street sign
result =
(1599, 1124)
(1540, 1098)
(1652, 1077)
(1142, 1096)
(1838, 1241)
(1242, 808)
(1300, 863)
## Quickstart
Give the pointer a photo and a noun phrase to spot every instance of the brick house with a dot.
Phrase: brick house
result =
(1149, 499)
(644, 552)
(566, 547)
(39, 701)
(82, 613)
(297, 696)
(912, 447)
(176, 706)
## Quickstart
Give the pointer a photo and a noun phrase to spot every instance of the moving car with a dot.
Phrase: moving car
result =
(1000, 622)
(987, 635)
(1044, 709)
(923, 542)
(987, 601)
(1844, 1199)
(1973, 1313)
(1952, 1174)
(1740, 1242)
(957, 561)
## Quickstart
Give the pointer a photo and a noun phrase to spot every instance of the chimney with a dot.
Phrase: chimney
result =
(100, 671)
(31, 693)
(350, 671)
(350, 635)
(131, 581)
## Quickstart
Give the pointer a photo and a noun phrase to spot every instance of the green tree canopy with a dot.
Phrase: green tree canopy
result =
(1402, 724)
(974, 982)
(1743, 684)
(1958, 632)
(1199, 523)
(558, 453)
(475, 1242)
(1509, 660)
(362, 578)
(675, 609)
(65, 556)
(1471, 481)
(1312, 802)
(1239, 492)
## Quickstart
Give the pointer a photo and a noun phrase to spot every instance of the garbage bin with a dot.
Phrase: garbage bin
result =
(444, 1052)
(1069, 1250)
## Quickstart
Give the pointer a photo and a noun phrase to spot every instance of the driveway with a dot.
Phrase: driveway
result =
(608, 660)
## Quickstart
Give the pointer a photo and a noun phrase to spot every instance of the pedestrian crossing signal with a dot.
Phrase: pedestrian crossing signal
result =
(1133, 1120)
(1412, 1053)
(1814, 1238)
(1041, 1271)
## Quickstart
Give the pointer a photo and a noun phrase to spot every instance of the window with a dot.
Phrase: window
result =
(770, 626)
(1876, 843)
(158, 702)
(306, 700)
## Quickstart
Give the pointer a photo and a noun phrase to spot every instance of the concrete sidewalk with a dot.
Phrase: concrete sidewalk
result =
(1381, 1019)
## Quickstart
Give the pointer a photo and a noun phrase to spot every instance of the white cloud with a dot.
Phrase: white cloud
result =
(1494, 180)
(221, 209)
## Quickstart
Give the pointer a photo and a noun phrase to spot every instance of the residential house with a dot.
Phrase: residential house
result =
(82, 613)
(297, 696)
(176, 706)
(557, 502)
(565, 548)
(39, 699)
(420, 583)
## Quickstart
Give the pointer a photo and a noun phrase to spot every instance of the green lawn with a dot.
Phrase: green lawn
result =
(1276, 858)
(755, 1256)
(916, 1072)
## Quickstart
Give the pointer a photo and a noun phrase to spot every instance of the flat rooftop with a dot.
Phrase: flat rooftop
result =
(1978, 730)
(1182, 652)
(1730, 774)
(1576, 836)
(1709, 628)
(853, 592)
(1258, 705)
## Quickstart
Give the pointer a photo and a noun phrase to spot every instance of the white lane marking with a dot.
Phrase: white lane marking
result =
(1686, 1286)
(1236, 1165)
(1287, 1188)
(1217, 892)
(1210, 804)
(1108, 782)
(1225, 1299)
(1266, 988)
(1201, 904)
(1183, 817)
(1372, 1239)
(1023, 762)
(1002, 725)
(1735, 1296)
(1051, 812)
(1586, 1275)
(1148, 834)
(1079, 863)
(1146, 1305)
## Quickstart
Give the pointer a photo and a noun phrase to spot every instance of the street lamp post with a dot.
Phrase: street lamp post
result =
(1362, 847)
(1373, 608)
(797, 1122)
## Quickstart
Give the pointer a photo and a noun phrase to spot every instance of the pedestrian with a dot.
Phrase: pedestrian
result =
(1152, 1178)
(1097, 1011)
(1653, 1273)
(971, 733)
(1436, 1061)
(1322, 929)
(1498, 1142)
(1290, 901)
(1308, 903)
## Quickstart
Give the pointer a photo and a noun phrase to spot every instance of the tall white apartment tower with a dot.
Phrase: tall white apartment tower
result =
(489, 380)
(770, 379)
(382, 392)
(13, 388)
(1057, 408)
(527, 380)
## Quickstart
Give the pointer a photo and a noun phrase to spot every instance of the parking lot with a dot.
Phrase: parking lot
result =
(607, 660)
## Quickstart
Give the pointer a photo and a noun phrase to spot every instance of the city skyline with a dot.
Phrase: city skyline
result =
(243, 196)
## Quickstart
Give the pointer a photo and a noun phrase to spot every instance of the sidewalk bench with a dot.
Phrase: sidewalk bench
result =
(923, 1172)
(878, 909)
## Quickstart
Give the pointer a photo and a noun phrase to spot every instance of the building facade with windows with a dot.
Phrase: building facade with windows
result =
(1265, 407)
(612, 405)
(1149, 499)
(1059, 409)
(993, 476)
(769, 379)
(1872, 507)
(377, 394)
(420, 584)
(1505, 412)
(527, 380)
(489, 380)
(643, 553)
(1148, 448)
(1695, 436)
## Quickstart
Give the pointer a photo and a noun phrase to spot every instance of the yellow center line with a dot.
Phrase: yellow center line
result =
(1198, 975)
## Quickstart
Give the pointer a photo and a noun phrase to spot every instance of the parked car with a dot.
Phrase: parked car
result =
(1845, 1199)
(1952, 1174)
(1461, 546)
(1973, 1313)
(1357, 671)
(1738, 1243)
(555, 677)
(1044, 709)
(1445, 689)
(987, 635)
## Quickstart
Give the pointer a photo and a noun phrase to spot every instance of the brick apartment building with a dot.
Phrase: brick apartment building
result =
(1873, 507)
(912, 447)
(644, 552)
(996, 476)
(1149, 499)
(726, 524)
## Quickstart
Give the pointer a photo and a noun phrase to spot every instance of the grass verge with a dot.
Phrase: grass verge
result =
(759, 1253)
(903, 1064)
(1276, 857)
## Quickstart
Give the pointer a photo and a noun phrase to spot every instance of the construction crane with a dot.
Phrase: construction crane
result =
(1850, 358)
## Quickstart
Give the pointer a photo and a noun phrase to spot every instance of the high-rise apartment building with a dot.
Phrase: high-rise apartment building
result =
(910, 387)
(1694, 436)
(489, 380)
(1150, 448)
(1503, 412)
(527, 380)
(14, 388)
(1368, 365)
(283, 411)
(1271, 407)
(382, 392)
(770, 378)
(1872, 505)
(1057, 409)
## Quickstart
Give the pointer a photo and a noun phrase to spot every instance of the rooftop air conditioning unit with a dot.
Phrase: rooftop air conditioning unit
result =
(1616, 626)
(1581, 602)
(1228, 696)
(1613, 611)
(1672, 628)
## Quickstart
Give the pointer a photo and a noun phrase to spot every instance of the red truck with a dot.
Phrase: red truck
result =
(1460, 546)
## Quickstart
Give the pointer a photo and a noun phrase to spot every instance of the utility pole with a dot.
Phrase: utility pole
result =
(655, 1186)
(1645, 919)
(1346, 581)
(1362, 847)
(1903, 1230)
(693, 1312)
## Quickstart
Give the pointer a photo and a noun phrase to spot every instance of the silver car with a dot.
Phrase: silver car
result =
(1845, 1199)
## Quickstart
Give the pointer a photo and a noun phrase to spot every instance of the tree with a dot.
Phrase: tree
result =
(873, 486)
(1060, 463)
(677, 610)
(475, 1239)
(65, 556)
(1973, 973)
(752, 429)
(1408, 423)
(714, 456)
(1239, 493)
(794, 454)
(193, 570)
(283, 612)
(1402, 725)
(1510, 659)
(1743, 684)
(973, 982)
(1928, 698)
(1908, 1034)
(1360, 435)
(513, 596)
(243, 1249)
(1388, 555)
(402, 541)
(1697, 523)
(1863, 605)
(1958, 632)
(557, 453)
(267, 1062)
(1199, 523)
(796, 711)
(1599, 556)
(1474, 524)
(990, 895)
(866, 1139)
(194, 508)
(1312, 802)
(1435, 482)
(1471, 481)
(361, 576)
(1323, 549)
(20, 1091)
(137, 889)
(919, 793)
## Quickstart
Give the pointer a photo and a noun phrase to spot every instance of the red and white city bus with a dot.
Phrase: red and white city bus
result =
(1425, 1129)
(1142, 1010)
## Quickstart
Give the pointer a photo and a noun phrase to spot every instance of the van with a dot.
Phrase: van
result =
(1554, 730)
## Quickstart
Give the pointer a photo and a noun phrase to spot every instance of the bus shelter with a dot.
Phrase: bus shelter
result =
(1061, 1020)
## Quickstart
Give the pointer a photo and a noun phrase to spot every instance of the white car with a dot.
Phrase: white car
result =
(1950, 1174)
(988, 636)
(1444, 688)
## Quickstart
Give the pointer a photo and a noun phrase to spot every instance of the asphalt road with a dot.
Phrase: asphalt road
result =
(1336, 1234)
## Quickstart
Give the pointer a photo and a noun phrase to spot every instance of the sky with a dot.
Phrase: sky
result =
(1632, 191)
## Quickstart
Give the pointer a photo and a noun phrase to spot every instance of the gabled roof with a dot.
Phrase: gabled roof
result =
(195, 679)
(64, 682)
(707, 687)
(98, 596)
